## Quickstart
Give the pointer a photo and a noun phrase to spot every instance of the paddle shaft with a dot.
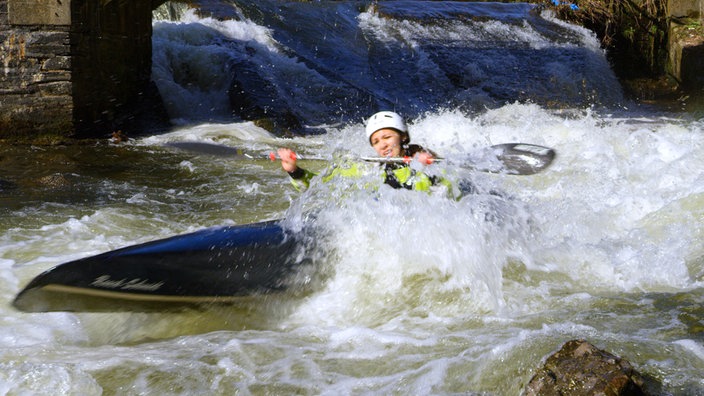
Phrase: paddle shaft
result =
(509, 158)
(405, 159)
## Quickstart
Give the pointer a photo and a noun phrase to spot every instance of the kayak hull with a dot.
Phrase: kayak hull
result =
(216, 264)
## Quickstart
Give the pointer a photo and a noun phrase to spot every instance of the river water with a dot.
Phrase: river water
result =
(414, 293)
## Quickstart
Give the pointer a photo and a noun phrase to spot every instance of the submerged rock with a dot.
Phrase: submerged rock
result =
(54, 181)
(580, 368)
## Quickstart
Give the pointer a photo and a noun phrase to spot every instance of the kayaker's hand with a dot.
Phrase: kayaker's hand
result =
(288, 159)
(425, 158)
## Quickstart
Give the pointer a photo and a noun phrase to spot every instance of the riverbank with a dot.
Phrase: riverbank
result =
(656, 48)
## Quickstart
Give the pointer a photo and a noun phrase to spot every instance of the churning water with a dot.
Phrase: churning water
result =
(413, 293)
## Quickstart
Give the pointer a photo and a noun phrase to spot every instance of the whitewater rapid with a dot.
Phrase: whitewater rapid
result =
(415, 293)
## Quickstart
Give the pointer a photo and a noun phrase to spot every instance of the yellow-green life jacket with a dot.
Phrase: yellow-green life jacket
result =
(395, 175)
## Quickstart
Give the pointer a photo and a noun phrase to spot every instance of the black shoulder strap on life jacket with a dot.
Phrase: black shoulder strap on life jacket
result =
(390, 177)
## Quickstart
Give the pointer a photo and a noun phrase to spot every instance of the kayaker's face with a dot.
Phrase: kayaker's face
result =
(386, 142)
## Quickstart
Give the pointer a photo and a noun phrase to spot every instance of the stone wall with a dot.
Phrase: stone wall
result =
(686, 43)
(35, 80)
(76, 68)
(112, 59)
(686, 9)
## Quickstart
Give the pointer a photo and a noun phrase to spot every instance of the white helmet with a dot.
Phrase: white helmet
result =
(386, 119)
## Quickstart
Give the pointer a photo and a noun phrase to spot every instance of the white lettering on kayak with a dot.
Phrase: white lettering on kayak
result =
(124, 284)
(537, 150)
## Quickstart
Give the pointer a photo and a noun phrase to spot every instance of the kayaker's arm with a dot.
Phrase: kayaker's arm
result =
(300, 178)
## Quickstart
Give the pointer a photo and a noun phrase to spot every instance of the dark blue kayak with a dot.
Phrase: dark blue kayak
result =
(208, 266)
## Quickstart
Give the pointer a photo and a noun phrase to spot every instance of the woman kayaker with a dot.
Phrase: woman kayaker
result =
(388, 135)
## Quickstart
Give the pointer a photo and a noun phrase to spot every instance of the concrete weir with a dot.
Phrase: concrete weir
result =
(74, 68)
(686, 42)
(82, 68)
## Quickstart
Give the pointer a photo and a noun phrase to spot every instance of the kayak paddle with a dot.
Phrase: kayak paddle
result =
(510, 158)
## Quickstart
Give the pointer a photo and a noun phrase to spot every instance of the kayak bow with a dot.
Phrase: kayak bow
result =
(216, 264)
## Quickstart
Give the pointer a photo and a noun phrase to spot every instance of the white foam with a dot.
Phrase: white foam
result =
(692, 346)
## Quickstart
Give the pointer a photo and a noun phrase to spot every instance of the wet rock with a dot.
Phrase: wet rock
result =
(580, 368)
(119, 137)
(54, 181)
